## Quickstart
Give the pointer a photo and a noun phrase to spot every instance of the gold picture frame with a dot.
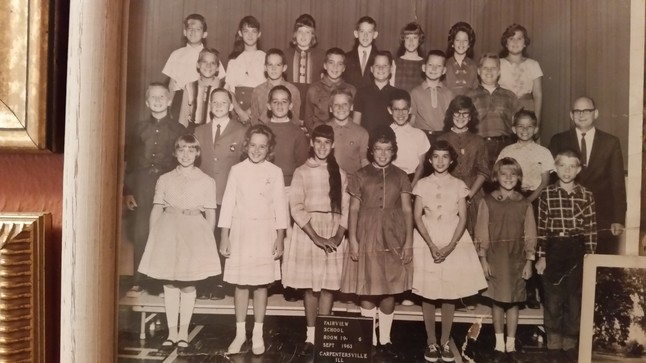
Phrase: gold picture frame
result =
(22, 286)
(31, 84)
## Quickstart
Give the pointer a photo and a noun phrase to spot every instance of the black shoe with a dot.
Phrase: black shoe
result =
(308, 349)
(532, 303)
(388, 350)
(290, 294)
(218, 293)
(514, 357)
(572, 355)
(499, 357)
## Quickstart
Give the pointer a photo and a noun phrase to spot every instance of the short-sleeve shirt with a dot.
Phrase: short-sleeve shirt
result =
(534, 160)
(428, 117)
(185, 189)
(379, 187)
(373, 103)
(461, 78)
(495, 110)
(350, 145)
(519, 77)
(182, 66)
(411, 143)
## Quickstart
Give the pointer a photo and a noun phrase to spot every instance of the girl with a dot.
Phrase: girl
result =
(407, 73)
(471, 165)
(518, 73)
(506, 234)
(461, 69)
(253, 221)
(304, 59)
(446, 264)
(381, 234)
(314, 256)
(246, 68)
(181, 248)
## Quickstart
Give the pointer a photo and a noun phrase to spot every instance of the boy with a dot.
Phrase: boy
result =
(567, 229)
(431, 98)
(221, 142)
(413, 143)
(195, 99)
(496, 107)
(536, 163)
(350, 139)
(292, 147)
(371, 104)
(317, 101)
(275, 68)
(361, 57)
(603, 170)
(149, 154)
(180, 66)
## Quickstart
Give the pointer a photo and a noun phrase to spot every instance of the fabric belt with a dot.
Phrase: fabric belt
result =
(189, 212)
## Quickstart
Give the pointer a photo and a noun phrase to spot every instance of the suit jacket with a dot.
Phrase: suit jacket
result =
(218, 158)
(352, 72)
(604, 174)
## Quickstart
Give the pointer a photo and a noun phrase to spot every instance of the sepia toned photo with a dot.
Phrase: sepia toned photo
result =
(613, 316)
(436, 171)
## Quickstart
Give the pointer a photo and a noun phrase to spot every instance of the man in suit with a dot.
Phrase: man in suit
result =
(221, 142)
(359, 60)
(602, 173)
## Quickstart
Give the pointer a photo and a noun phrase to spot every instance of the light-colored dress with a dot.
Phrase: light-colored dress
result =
(460, 274)
(381, 233)
(254, 206)
(181, 245)
(305, 265)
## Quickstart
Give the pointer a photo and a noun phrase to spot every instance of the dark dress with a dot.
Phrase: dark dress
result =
(509, 229)
(408, 73)
(381, 233)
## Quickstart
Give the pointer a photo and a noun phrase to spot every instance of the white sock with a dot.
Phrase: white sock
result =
(500, 342)
(256, 336)
(171, 304)
(510, 346)
(186, 304)
(371, 313)
(241, 336)
(309, 335)
(385, 324)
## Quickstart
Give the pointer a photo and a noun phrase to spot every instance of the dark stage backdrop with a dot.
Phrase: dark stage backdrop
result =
(582, 45)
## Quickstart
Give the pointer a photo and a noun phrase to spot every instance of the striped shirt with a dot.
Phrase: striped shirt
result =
(561, 213)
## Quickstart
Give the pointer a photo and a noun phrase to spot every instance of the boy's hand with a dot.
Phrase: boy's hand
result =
(540, 265)
(616, 229)
(130, 201)
(527, 270)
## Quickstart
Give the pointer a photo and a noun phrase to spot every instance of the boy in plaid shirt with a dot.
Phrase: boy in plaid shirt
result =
(567, 229)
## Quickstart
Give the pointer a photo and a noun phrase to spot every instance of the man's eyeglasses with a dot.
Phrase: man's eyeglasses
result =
(584, 112)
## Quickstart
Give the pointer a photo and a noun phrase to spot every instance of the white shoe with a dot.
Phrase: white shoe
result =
(407, 302)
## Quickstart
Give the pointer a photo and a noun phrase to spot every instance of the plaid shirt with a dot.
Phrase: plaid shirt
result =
(561, 213)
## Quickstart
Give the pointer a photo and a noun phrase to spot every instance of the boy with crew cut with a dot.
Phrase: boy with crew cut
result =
(496, 107)
(362, 56)
(350, 139)
(275, 68)
(317, 100)
(567, 230)
(431, 98)
(180, 66)
(149, 151)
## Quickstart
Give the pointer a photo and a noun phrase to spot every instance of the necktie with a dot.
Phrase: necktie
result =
(364, 60)
(217, 133)
(302, 68)
(434, 97)
(584, 150)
